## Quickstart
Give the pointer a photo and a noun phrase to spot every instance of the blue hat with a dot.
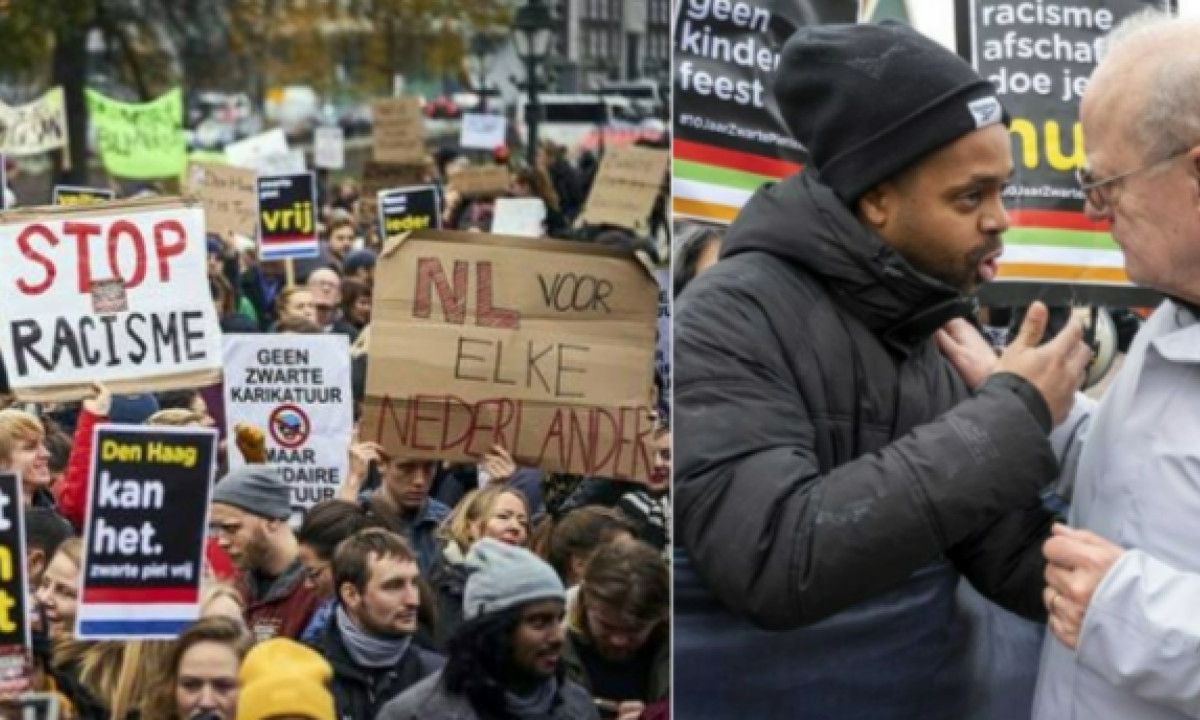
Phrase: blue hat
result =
(358, 259)
(132, 409)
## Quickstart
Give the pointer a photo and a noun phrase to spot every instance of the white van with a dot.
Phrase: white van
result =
(568, 119)
(644, 94)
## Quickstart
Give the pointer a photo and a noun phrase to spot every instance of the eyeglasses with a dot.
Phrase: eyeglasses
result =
(1096, 190)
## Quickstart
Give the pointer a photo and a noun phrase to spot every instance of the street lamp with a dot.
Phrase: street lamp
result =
(481, 45)
(532, 34)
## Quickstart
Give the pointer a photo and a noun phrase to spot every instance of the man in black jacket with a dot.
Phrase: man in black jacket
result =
(834, 477)
(369, 642)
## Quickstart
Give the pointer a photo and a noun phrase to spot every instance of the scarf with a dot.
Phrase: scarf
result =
(368, 650)
(534, 706)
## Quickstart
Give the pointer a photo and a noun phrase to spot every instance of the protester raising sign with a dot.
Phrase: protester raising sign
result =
(486, 181)
(140, 140)
(116, 294)
(418, 207)
(519, 216)
(378, 177)
(329, 148)
(544, 347)
(398, 130)
(72, 195)
(296, 388)
(229, 195)
(14, 593)
(147, 519)
(287, 216)
(626, 186)
(34, 128)
(482, 131)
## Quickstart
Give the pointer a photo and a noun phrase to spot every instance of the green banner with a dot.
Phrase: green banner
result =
(140, 140)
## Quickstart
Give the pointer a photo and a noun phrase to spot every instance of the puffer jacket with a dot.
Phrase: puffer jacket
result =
(428, 700)
(834, 476)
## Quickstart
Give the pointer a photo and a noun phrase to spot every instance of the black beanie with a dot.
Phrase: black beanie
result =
(869, 100)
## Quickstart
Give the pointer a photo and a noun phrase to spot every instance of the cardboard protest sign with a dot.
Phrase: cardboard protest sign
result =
(544, 347)
(115, 293)
(30, 706)
(379, 176)
(1050, 238)
(398, 130)
(249, 152)
(73, 195)
(481, 181)
(140, 140)
(229, 196)
(36, 127)
(729, 134)
(417, 207)
(296, 389)
(329, 148)
(625, 188)
(482, 131)
(144, 533)
(519, 216)
(287, 212)
(14, 590)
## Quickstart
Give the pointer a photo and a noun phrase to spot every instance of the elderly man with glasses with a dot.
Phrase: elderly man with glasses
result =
(1123, 582)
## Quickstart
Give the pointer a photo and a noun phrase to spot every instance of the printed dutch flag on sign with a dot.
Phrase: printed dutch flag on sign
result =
(138, 612)
(147, 514)
(287, 217)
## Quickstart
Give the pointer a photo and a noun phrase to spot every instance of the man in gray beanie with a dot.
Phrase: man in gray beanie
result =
(503, 662)
(834, 476)
(249, 517)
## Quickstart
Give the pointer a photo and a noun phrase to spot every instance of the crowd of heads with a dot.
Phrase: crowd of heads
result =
(450, 580)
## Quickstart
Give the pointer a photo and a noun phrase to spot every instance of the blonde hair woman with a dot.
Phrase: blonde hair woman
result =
(23, 450)
(496, 511)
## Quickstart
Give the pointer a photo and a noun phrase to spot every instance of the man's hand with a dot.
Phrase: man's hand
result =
(1057, 368)
(1076, 562)
(99, 403)
(969, 352)
(362, 454)
(630, 710)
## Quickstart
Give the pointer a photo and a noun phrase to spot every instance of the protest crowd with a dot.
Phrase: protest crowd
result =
(217, 516)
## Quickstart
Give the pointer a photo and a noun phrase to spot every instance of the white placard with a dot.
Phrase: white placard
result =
(296, 390)
(134, 305)
(482, 131)
(249, 153)
(288, 163)
(519, 216)
(329, 148)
